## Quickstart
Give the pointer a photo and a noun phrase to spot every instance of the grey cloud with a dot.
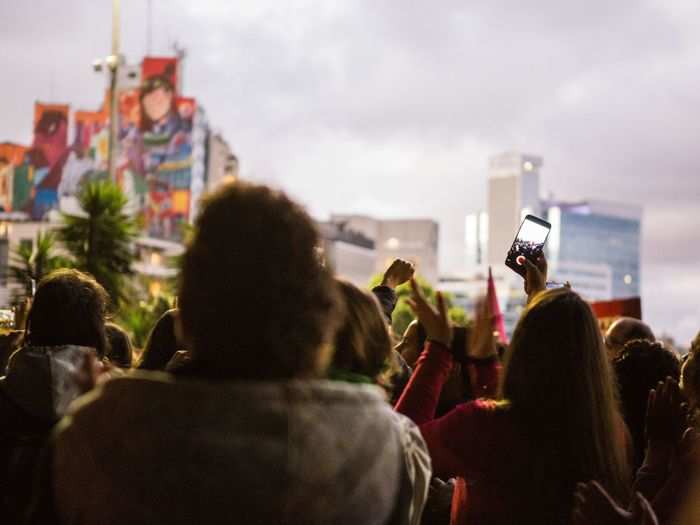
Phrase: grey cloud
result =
(392, 108)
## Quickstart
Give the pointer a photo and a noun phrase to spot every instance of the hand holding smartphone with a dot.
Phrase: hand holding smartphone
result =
(528, 243)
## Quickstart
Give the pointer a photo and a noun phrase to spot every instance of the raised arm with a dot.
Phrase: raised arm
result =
(399, 272)
(482, 363)
(421, 395)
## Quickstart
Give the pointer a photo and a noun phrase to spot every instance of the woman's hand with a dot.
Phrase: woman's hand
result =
(666, 414)
(398, 273)
(536, 275)
(594, 506)
(482, 342)
(435, 321)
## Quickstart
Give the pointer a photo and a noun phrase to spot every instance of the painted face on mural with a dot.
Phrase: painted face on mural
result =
(157, 103)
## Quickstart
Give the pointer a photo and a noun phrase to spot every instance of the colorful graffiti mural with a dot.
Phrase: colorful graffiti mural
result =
(156, 148)
(154, 153)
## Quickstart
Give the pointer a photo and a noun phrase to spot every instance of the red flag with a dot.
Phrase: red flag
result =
(631, 307)
(497, 316)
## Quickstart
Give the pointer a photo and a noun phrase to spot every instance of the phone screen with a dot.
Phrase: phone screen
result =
(528, 243)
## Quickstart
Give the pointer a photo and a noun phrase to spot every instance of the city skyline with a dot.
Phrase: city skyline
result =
(393, 110)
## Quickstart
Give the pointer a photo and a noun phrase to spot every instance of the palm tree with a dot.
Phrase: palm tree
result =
(31, 263)
(99, 240)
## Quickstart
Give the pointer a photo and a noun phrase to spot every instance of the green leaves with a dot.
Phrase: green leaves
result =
(32, 262)
(100, 239)
(403, 315)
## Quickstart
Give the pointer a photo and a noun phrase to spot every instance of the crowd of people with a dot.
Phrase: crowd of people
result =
(278, 394)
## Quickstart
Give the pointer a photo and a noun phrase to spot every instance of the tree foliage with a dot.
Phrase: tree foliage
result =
(403, 315)
(100, 239)
(139, 317)
(31, 262)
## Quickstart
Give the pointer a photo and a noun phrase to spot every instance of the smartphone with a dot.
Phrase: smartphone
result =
(528, 243)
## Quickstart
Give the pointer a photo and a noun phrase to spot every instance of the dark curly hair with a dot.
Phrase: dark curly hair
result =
(690, 375)
(254, 301)
(120, 351)
(69, 308)
(638, 368)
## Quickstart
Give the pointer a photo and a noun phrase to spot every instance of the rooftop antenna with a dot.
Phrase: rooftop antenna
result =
(181, 54)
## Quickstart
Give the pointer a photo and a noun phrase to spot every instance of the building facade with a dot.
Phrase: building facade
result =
(512, 192)
(222, 163)
(594, 245)
(415, 240)
(349, 253)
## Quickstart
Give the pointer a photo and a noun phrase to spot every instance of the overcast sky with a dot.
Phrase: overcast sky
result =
(392, 108)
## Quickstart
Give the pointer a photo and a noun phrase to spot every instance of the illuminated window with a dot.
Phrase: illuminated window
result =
(155, 288)
(393, 243)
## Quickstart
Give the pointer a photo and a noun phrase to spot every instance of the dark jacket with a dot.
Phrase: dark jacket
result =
(34, 394)
(387, 299)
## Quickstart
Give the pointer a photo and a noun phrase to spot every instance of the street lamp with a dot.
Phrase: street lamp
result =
(112, 63)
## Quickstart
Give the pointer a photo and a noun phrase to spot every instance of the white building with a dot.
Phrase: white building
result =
(222, 163)
(350, 254)
(415, 240)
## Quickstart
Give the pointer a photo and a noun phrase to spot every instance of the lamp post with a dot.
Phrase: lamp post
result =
(112, 63)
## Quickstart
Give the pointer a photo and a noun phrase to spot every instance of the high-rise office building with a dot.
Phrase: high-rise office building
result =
(595, 245)
(513, 191)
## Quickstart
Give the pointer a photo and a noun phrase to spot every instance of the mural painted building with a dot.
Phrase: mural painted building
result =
(161, 153)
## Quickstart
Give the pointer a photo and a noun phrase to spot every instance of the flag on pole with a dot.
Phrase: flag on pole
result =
(497, 316)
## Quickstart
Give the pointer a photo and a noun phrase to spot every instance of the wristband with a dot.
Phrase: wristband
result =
(438, 343)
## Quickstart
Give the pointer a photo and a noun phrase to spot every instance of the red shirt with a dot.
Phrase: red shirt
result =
(478, 443)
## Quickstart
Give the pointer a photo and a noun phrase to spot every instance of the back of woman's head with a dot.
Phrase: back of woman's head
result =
(560, 387)
(638, 368)
(69, 307)
(362, 342)
(119, 349)
(161, 344)
(690, 375)
(255, 303)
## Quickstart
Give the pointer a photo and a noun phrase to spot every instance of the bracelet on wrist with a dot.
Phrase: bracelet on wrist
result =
(439, 343)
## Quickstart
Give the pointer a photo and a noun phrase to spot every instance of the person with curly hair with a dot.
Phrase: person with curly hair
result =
(690, 378)
(63, 343)
(248, 429)
(638, 369)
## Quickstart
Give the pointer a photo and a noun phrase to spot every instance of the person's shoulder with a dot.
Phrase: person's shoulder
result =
(487, 411)
(485, 406)
(15, 420)
(121, 393)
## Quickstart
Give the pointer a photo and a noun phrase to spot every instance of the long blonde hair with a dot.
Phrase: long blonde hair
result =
(560, 388)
